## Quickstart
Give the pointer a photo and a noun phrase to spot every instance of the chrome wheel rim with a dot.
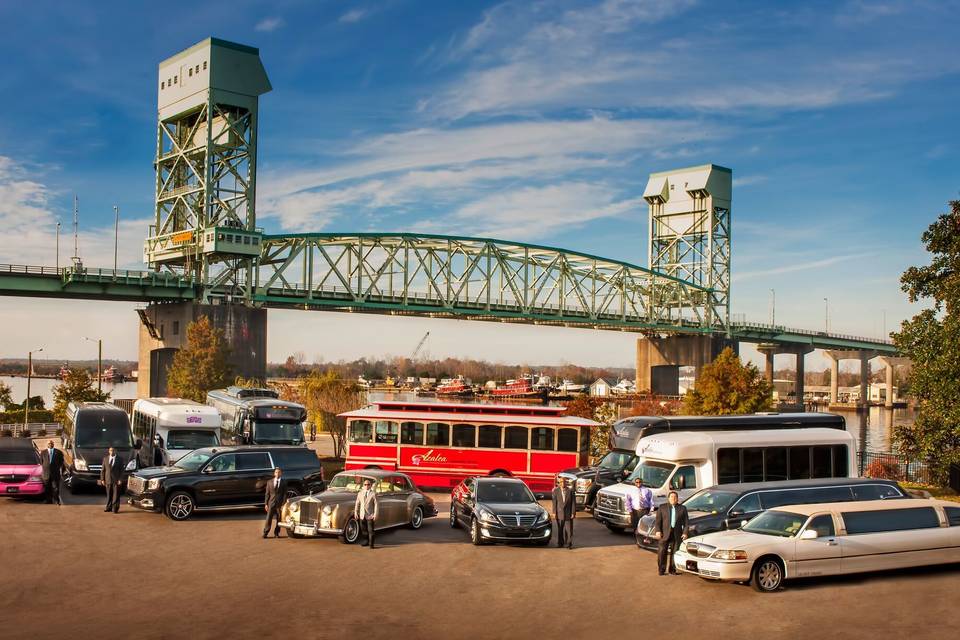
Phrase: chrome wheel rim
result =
(475, 531)
(453, 516)
(181, 506)
(352, 532)
(769, 575)
(417, 518)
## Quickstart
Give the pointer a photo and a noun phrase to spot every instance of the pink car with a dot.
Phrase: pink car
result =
(21, 473)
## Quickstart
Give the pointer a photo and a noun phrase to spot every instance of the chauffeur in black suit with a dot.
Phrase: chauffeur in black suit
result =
(564, 511)
(273, 501)
(52, 461)
(111, 479)
(670, 529)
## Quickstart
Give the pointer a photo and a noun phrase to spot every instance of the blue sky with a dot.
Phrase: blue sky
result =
(535, 121)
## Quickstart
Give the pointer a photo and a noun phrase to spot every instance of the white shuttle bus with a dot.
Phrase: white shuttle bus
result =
(687, 461)
(172, 427)
(798, 541)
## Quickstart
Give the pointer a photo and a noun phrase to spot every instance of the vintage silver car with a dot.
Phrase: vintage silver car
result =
(332, 512)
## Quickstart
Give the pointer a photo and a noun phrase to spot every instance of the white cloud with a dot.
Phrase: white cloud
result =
(354, 15)
(800, 266)
(269, 25)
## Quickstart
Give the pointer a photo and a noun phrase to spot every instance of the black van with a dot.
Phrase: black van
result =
(626, 434)
(91, 429)
(729, 506)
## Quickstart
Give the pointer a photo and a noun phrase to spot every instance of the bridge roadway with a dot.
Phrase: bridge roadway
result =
(150, 286)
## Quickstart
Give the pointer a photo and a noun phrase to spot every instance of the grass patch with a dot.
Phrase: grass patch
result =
(942, 493)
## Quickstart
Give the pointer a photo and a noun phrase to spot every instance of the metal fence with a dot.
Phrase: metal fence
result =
(893, 467)
(51, 428)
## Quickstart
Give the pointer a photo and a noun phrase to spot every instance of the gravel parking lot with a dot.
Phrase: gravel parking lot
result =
(74, 571)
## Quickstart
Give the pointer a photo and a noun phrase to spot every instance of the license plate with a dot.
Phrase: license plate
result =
(13, 489)
(304, 531)
(692, 565)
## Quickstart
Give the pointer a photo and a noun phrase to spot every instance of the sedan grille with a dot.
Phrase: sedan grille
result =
(136, 484)
(517, 520)
(13, 477)
(308, 512)
(609, 502)
(700, 550)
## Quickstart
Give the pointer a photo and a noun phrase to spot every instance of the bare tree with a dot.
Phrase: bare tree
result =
(326, 395)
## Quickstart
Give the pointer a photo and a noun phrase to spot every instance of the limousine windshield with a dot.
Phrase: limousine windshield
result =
(711, 501)
(776, 523)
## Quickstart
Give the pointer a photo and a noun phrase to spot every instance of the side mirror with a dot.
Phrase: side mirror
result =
(809, 534)
(207, 470)
(743, 523)
(736, 513)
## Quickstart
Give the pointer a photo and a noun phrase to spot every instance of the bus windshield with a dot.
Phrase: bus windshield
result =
(654, 474)
(108, 429)
(278, 433)
(191, 439)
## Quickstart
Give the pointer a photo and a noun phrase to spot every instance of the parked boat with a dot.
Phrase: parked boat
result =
(519, 388)
(571, 387)
(110, 374)
(455, 387)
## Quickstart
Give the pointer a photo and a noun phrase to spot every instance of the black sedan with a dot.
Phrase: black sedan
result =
(499, 510)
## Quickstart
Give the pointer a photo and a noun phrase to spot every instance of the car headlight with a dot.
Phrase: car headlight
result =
(327, 509)
(294, 507)
(583, 484)
(80, 464)
(35, 479)
(132, 465)
(729, 554)
(544, 516)
(486, 516)
(153, 485)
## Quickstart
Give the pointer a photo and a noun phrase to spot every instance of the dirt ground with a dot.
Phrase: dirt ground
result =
(77, 572)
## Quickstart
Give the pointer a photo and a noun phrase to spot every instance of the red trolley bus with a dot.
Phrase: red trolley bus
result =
(440, 444)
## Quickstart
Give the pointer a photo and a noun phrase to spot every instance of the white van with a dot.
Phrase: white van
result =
(172, 427)
(686, 461)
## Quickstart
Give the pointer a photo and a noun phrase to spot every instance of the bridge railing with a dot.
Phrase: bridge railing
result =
(31, 269)
(776, 328)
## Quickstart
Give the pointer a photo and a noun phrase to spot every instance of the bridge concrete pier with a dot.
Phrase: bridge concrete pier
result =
(864, 356)
(659, 359)
(891, 363)
(799, 351)
(163, 331)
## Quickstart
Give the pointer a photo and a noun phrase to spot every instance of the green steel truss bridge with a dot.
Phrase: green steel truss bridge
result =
(433, 276)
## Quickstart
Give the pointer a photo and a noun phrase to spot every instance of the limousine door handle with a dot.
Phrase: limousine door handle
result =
(832, 542)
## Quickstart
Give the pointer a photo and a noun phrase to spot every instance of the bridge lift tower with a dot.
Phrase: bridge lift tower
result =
(205, 219)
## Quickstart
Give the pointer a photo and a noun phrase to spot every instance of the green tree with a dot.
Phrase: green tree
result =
(598, 410)
(77, 386)
(326, 395)
(726, 386)
(931, 339)
(201, 365)
(6, 399)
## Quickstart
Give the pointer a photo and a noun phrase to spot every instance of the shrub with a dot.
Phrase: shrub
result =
(24, 433)
(885, 469)
(6, 433)
(42, 433)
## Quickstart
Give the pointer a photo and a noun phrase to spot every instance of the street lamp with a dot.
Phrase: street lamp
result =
(773, 307)
(116, 235)
(826, 316)
(99, 361)
(26, 406)
(58, 246)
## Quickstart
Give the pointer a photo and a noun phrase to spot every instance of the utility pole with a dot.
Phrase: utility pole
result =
(99, 342)
(26, 406)
(116, 235)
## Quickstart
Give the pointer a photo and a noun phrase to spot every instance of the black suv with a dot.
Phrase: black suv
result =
(223, 478)
(729, 506)
(499, 510)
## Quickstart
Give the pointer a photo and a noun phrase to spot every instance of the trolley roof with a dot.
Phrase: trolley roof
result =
(471, 413)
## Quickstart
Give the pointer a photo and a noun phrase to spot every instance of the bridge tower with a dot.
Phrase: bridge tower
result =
(206, 156)
(205, 226)
(689, 239)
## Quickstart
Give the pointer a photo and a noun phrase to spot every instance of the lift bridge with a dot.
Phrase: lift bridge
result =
(207, 256)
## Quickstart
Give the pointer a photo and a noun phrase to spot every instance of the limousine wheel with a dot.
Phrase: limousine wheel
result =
(767, 575)
(453, 518)
(416, 520)
(351, 532)
(180, 506)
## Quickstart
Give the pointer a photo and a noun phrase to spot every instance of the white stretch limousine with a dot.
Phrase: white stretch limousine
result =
(825, 539)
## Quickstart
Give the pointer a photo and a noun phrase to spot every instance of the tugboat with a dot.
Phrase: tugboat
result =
(110, 374)
(455, 387)
(521, 388)
(64, 371)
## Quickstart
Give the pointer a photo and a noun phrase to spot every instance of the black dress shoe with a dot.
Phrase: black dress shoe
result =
(661, 573)
(264, 536)
(276, 534)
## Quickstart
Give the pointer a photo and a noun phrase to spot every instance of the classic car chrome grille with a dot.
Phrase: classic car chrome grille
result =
(700, 550)
(136, 484)
(517, 520)
(610, 503)
(308, 512)
(13, 477)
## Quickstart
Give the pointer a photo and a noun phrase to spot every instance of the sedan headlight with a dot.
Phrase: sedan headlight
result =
(486, 516)
(583, 484)
(80, 464)
(35, 479)
(729, 554)
(153, 485)
(544, 516)
(132, 465)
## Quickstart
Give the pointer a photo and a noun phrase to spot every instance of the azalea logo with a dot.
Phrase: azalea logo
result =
(429, 456)
(194, 420)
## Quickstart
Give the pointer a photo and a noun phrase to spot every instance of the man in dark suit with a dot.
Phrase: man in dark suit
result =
(273, 501)
(52, 461)
(564, 511)
(670, 529)
(111, 479)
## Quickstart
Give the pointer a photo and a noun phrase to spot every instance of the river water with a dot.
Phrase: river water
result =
(873, 429)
